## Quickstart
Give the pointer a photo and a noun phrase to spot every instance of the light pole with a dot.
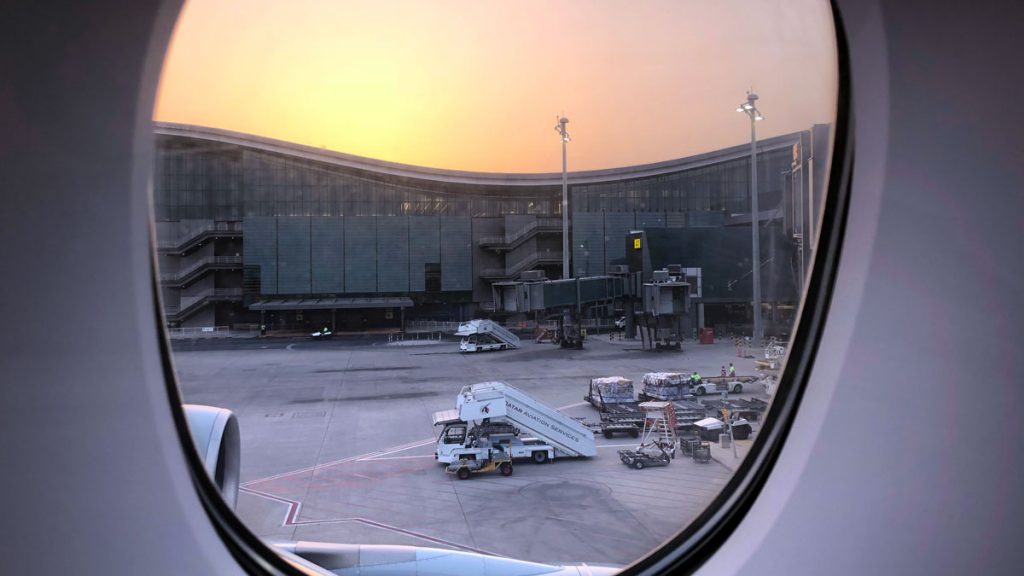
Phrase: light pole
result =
(560, 128)
(750, 109)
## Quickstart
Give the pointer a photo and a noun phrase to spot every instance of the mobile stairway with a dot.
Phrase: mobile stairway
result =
(483, 332)
(497, 402)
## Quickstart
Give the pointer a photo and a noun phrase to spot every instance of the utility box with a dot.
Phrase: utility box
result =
(532, 276)
(707, 335)
(709, 428)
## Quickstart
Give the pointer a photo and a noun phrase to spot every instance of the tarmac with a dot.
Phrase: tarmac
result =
(337, 446)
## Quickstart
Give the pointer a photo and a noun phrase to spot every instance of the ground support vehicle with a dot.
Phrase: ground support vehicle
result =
(613, 397)
(481, 343)
(564, 330)
(485, 335)
(496, 415)
(658, 442)
(665, 386)
(732, 384)
(460, 440)
(641, 459)
(609, 390)
(495, 460)
(571, 333)
(774, 350)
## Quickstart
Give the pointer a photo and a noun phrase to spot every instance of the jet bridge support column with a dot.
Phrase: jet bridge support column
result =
(627, 309)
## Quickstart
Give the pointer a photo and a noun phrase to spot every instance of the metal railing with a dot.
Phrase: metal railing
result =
(530, 261)
(199, 332)
(190, 303)
(533, 259)
(510, 237)
(207, 261)
(431, 326)
(193, 234)
(513, 237)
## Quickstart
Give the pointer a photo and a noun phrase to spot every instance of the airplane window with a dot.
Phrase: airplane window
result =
(517, 281)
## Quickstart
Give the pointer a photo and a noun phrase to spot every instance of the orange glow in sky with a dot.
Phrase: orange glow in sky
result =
(478, 85)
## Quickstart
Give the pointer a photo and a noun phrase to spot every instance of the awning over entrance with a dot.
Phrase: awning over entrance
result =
(333, 303)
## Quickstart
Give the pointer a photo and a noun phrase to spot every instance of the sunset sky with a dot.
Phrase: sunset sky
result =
(478, 85)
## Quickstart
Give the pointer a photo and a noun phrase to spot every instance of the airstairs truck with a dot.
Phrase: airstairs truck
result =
(493, 417)
(484, 335)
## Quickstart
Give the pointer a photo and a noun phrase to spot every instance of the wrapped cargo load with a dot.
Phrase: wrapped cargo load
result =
(612, 389)
(665, 386)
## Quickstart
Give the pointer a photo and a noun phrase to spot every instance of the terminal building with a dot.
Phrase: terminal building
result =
(252, 230)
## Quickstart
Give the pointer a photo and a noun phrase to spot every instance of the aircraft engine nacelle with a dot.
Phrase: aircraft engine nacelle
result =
(215, 434)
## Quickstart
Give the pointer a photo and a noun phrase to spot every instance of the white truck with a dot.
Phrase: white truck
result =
(494, 415)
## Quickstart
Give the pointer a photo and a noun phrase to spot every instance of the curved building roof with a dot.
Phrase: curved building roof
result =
(443, 176)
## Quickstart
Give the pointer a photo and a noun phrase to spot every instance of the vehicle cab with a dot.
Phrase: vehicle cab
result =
(480, 343)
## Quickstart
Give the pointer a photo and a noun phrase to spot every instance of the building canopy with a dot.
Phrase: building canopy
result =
(332, 303)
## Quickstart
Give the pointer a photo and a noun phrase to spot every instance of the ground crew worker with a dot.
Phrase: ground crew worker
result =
(732, 370)
(695, 378)
(723, 372)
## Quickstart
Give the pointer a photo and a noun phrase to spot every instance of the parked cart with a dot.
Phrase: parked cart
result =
(613, 397)
(496, 460)
(627, 422)
(640, 459)
(702, 453)
(658, 442)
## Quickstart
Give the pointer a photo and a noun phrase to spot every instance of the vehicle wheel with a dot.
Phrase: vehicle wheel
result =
(505, 469)
(607, 433)
(463, 473)
(639, 465)
(737, 389)
(699, 391)
(634, 433)
(540, 456)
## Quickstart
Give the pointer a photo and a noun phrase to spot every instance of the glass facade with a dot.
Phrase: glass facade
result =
(200, 180)
(716, 188)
